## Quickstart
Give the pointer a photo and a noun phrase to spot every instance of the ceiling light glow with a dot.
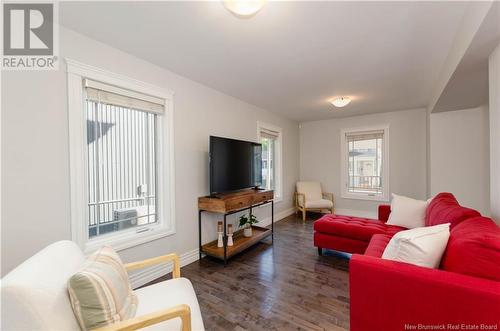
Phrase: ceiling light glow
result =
(244, 8)
(341, 102)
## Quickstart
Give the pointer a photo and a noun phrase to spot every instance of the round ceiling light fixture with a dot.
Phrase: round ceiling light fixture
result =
(244, 8)
(341, 102)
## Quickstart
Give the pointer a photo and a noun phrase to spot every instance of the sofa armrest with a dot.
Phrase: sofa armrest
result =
(139, 322)
(383, 212)
(176, 272)
(393, 296)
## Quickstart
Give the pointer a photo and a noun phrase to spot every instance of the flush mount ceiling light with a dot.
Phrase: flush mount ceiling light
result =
(341, 102)
(244, 8)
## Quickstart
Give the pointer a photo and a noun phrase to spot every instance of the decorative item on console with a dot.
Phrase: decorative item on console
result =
(220, 232)
(230, 235)
(246, 223)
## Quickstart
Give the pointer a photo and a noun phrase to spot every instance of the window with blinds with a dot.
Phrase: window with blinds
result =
(121, 149)
(270, 138)
(365, 162)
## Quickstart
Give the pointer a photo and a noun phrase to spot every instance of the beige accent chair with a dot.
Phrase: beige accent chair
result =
(310, 197)
(35, 296)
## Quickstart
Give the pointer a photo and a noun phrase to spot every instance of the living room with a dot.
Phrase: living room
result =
(346, 130)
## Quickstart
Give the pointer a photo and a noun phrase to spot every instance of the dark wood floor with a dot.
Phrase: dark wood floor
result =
(285, 286)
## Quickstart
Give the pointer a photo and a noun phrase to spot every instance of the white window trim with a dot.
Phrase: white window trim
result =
(278, 192)
(345, 167)
(165, 226)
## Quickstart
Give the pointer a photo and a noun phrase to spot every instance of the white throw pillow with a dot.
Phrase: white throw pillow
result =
(421, 246)
(407, 212)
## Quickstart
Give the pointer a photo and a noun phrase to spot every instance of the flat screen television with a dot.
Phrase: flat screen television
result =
(234, 165)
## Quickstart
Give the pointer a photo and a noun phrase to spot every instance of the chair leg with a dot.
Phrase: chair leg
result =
(303, 215)
(320, 251)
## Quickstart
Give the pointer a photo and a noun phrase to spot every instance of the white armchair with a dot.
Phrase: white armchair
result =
(34, 295)
(310, 197)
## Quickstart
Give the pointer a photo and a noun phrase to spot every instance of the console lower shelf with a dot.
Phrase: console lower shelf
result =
(240, 243)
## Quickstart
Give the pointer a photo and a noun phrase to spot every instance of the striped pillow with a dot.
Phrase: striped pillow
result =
(100, 292)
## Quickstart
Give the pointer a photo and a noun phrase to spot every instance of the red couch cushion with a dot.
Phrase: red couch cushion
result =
(377, 245)
(383, 212)
(444, 208)
(353, 227)
(474, 249)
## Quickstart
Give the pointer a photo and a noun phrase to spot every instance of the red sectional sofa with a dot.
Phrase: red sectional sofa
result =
(464, 293)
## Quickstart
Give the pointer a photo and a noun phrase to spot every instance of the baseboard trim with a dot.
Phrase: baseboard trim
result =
(149, 274)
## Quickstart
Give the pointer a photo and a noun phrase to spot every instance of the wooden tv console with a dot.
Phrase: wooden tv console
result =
(230, 203)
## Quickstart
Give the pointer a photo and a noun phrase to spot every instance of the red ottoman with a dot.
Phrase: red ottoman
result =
(349, 234)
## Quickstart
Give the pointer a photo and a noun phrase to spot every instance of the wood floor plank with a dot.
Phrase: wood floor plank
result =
(284, 286)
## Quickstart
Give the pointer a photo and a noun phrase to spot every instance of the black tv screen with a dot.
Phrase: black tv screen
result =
(234, 165)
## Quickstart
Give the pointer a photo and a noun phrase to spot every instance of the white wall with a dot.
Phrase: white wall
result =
(494, 82)
(474, 16)
(459, 150)
(320, 155)
(35, 161)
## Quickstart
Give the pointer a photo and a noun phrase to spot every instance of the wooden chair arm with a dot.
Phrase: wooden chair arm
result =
(300, 195)
(176, 273)
(328, 195)
(139, 322)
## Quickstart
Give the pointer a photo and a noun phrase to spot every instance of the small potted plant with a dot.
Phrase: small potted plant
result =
(246, 223)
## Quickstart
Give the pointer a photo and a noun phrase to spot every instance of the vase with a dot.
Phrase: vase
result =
(220, 240)
(247, 232)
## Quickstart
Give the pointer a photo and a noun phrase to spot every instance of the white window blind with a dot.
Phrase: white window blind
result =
(368, 135)
(269, 134)
(108, 94)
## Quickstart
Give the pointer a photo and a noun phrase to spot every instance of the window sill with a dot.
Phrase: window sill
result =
(127, 239)
(353, 196)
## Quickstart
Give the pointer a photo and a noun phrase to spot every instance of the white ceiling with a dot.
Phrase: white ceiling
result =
(292, 57)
